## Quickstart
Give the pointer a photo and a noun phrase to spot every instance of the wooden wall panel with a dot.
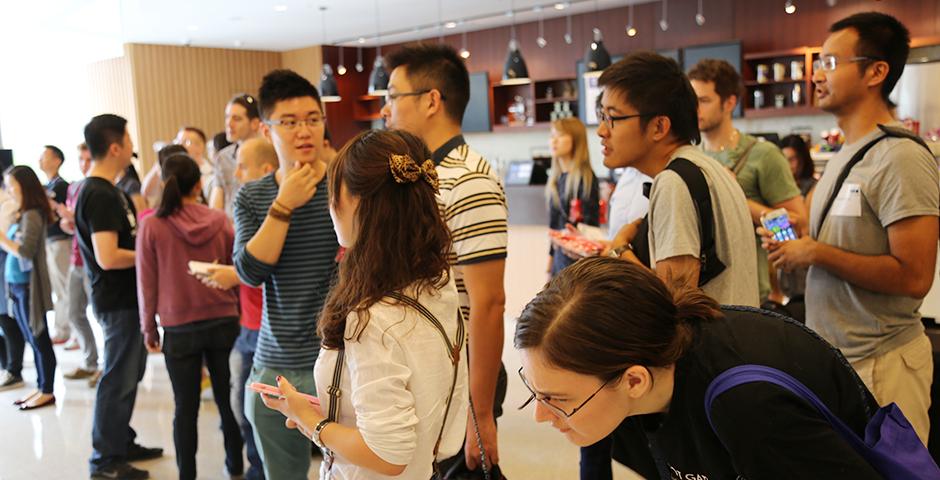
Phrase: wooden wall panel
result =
(305, 61)
(175, 86)
(111, 90)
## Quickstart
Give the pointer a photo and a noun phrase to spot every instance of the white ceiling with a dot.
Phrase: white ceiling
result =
(276, 24)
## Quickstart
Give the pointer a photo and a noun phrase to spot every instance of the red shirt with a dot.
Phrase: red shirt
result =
(251, 299)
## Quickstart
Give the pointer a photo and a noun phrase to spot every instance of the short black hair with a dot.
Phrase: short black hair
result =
(726, 79)
(880, 37)
(57, 152)
(198, 131)
(656, 85)
(282, 84)
(798, 144)
(219, 141)
(169, 150)
(248, 103)
(103, 131)
(439, 67)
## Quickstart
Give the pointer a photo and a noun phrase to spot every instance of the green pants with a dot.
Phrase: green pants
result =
(284, 452)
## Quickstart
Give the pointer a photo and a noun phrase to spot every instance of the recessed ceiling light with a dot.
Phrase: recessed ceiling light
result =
(559, 6)
(280, 8)
(192, 28)
(362, 40)
(450, 25)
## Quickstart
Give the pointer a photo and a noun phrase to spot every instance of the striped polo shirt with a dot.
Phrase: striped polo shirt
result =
(473, 204)
(296, 286)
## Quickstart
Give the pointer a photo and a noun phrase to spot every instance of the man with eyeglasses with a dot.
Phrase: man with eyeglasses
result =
(648, 120)
(429, 88)
(872, 247)
(284, 240)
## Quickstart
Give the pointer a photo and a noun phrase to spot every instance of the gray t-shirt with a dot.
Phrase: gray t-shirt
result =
(224, 176)
(674, 227)
(897, 179)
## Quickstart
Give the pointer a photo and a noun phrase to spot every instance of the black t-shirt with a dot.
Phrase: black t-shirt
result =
(57, 189)
(102, 207)
(770, 433)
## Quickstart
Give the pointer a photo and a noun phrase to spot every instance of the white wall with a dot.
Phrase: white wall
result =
(500, 148)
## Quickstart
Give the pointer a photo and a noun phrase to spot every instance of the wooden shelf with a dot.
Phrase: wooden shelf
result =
(369, 118)
(555, 99)
(770, 112)
(792, 52)
(753, 83)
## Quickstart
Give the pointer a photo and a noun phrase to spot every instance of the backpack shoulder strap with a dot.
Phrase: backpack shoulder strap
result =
(888, 131)
(695, 181)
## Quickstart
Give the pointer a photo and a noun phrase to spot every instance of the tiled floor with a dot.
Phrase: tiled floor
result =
(55, 442)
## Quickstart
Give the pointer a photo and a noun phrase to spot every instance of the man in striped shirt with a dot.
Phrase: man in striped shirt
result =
(284, 240)
(429, 88)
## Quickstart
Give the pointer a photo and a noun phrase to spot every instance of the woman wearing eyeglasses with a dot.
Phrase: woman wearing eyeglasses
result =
(619, 364)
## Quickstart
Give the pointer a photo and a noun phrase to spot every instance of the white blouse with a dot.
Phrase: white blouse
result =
(395, 386)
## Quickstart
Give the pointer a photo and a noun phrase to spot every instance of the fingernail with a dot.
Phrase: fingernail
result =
(278, 379)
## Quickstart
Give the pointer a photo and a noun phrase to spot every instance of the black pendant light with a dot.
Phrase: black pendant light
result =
(329, 91)
(515, 71)
(596, 57)
(378, 79)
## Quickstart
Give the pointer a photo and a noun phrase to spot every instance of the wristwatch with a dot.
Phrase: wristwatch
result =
(315, 436)
(618, 251)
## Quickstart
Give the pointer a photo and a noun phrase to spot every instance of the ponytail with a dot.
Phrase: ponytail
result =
(180, 175)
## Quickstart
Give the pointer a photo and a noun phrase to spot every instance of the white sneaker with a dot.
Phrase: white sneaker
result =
(9, 381)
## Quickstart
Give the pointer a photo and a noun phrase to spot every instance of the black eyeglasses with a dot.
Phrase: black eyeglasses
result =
(395, 96)
(555, 409)
(603, 117)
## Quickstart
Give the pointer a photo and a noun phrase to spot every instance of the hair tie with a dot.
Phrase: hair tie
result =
(405, 170)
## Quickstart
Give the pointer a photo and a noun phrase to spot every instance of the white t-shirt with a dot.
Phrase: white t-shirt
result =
(395, 386)
(674, 227)
(627, 203)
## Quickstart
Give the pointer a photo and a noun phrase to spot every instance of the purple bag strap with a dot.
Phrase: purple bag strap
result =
(743, 374)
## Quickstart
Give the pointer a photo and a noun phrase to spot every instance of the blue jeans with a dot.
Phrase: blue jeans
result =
(240, 363)
(125, 359)
(41, 343)
(13, 344)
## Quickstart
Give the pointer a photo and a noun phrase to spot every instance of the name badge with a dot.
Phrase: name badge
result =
(848, 202)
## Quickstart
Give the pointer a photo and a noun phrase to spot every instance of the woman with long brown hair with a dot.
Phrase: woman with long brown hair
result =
(391, 378)
(612, 356)
(572, 190)
(27, 277)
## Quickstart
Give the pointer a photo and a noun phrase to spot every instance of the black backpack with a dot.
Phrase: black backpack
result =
(691, 175)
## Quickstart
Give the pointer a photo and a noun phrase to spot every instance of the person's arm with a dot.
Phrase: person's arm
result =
(107, 253)
(140, 204)
(484, 283)
(297, 188)
(907, 269)
(682, 270)
(217, 198)
(147, 284)
(674, 230)
(31, 227)
(151, 187)
(772, 442)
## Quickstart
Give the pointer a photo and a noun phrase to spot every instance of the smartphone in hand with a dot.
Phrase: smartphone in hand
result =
(273, 391)
(777, 222)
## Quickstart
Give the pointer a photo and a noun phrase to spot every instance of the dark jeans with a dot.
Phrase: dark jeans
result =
(240, 362)
(125, 359)
(185, 349)
(41, 343)
(14, 344)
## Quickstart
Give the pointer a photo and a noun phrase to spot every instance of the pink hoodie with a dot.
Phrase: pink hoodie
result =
(164, 286)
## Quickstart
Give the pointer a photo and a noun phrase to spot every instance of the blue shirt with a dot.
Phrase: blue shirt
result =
(296, 286)
(13, 266)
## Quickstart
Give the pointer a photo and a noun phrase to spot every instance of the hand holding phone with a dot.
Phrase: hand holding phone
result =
(777, 222)
(273, 391)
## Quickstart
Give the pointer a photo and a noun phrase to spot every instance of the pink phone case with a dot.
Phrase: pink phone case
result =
(276, 392)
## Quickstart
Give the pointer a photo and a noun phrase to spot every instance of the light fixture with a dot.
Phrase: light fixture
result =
(596, 57)
(515, 71)
(700, 16)
(280, 8)
(450, 25)
(358, 66)
(192, 28)
(631, 30)
(831, 3)
(568, 38)
(663, 24)
(361, 40)
(540, 40)
(789, 7)
(378, 79)
(464, 53)
(329, 91)
(560, 6)
(341, 68)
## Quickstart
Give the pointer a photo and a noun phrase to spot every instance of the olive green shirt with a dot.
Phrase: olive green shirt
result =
(765, 178)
